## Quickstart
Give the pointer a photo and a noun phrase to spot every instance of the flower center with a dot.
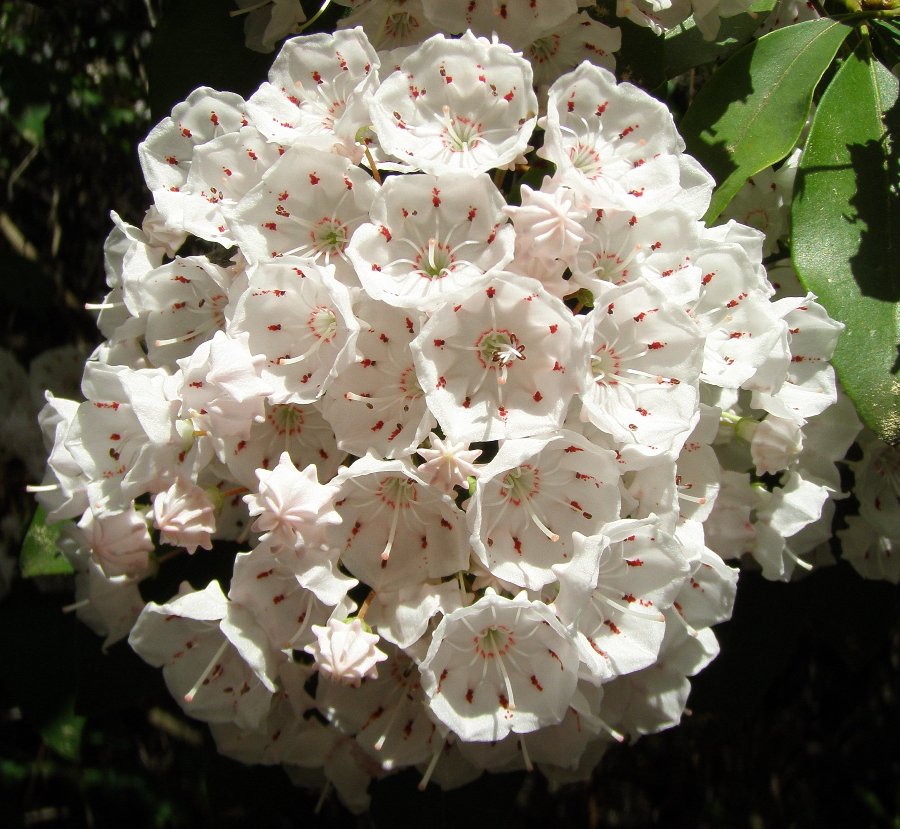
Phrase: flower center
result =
(322, 323)
(329, 236)
(400, 25)
(544, 48)
(605, 365)
(459, 133)
(520, 484)
(436, 261)
(494, 641)
(409, 384)
(287, 419)
(397, 492)
(500, 349)
(586, 160)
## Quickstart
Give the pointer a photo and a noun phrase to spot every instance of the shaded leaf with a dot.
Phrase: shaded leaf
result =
(752, 111)
(40, 554)
(63, 732)
(685, 46)
(846, 233)
(640, 59)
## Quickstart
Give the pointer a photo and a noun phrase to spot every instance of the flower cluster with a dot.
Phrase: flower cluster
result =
(469, 444)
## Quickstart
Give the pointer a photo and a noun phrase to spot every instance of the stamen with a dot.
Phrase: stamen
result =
(379, 743)
(432, 764)
(805, 565)
(41, 487)
(616, 735)
(189, 696)
(529, 766)
(385, 554)
(326, 790)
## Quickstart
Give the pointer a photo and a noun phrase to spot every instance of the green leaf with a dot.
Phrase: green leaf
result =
(685, 46)
(846, 232)
(640, 59)
(752, 111)
(40, 554)
(63, 732)
(30, 123)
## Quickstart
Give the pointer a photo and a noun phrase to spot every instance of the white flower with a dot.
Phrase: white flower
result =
(345, 652)
(645, 358)
(268, 21)
(612, 143)
(516, 22)
(614, 591)
(317, 91)
(532, 497)
(307, 205)
(576, 39)
(497, 666)
(376, 403)
(504, 362)
(296, 318)
(221, 388)
(431, 238)
(215, 658)
(456, 105)
(397, 531)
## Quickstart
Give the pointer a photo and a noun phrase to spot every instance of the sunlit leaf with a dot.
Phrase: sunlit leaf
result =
(752, 111)
(40, 554)
(846, 232)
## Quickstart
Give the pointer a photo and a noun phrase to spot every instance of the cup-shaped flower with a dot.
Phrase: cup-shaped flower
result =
(430, 239)
(612, 143)
(503, 362)
(317, 90)
(298, 316)
(397, 530)
(376, 403)
(497, 666)
(532, 497)
(457, 105)
(615, 589)
(216, 660)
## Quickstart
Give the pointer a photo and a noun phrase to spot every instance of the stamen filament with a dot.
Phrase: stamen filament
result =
(189, 696)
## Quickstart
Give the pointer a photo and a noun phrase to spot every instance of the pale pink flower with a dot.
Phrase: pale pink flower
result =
(293, 507)
(345, 652)
(448, 464)
(184, 515)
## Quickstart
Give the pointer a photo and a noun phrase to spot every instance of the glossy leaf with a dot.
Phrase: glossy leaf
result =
(752, 111)
(685, 46)
(40, 554)
(846, 233)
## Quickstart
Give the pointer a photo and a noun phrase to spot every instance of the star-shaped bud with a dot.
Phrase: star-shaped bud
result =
(448, 464)
(345, 652)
